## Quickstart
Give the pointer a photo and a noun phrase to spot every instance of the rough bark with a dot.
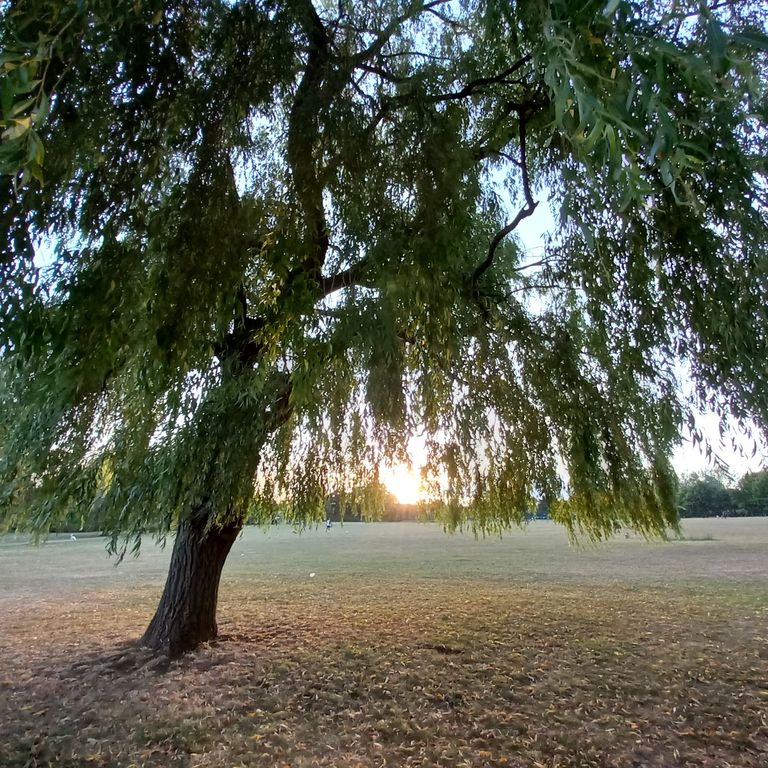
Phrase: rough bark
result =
(186, 615)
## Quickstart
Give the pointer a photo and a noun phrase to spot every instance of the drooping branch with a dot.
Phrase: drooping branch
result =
(523, 213)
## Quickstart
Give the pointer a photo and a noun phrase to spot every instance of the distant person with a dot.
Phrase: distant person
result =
(328, 524)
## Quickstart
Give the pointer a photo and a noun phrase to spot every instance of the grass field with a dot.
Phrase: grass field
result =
(406, 648)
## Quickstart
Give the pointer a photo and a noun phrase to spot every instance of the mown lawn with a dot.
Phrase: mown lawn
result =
(406, 648)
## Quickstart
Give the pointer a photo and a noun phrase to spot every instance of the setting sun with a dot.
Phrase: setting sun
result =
(404, 483)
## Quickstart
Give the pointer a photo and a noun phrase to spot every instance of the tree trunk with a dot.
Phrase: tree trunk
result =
(225, 440)
(186, 615)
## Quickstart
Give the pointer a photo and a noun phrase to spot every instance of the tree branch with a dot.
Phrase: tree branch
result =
(532, 264)
(390, 30)
(473, 86)
(452, 23)
(523, 213)
(529, 106)
(524, 163)
(345, 279)
(382, 73)
(303, 129)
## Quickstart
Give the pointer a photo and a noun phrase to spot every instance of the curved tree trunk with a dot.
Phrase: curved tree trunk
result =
(186, 615)
(229, 437)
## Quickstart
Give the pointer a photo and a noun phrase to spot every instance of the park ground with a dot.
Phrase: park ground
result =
(407, 647)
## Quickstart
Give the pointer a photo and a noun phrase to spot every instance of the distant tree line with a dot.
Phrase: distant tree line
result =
(705, 494)
(700, 494)
(390, 510)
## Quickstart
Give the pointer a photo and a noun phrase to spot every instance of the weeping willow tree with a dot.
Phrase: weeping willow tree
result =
(251, 248)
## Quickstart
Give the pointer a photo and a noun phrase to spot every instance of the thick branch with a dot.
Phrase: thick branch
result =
(523, 213)
(456, 25)
(348, 277)
(303, 132)
(527, 108)
(524, 163)
(278, 408)
(382, 73)
(470, 89)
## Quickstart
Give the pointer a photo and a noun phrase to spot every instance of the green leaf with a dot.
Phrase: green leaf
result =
(7, 94)
(717, 43)
(40, 113)
(752, 38)
(22, 106)
(18, 129)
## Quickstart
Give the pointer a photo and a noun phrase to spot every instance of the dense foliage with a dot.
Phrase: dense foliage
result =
(251, 248)
(705, 494)
(752, 494)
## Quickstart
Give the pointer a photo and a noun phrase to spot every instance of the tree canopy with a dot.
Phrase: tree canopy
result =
(705, 495)
(251, 247)
(752, 493)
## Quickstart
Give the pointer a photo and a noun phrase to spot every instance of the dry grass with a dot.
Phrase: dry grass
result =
(406, 649)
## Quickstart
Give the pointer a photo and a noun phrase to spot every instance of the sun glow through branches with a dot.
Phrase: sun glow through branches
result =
(404, 483)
